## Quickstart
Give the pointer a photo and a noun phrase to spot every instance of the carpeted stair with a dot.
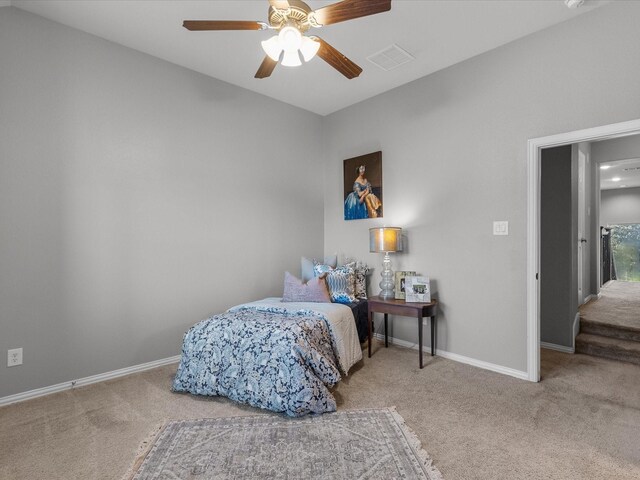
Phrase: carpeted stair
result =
(610, 325)
(616, 342)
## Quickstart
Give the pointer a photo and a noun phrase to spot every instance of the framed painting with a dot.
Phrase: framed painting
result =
(363, 187)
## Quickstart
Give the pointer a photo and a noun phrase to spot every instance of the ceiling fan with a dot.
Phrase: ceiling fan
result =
(291, 19)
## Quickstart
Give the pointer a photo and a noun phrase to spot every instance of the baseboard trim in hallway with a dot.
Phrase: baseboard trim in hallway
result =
(557, 348)
(101, 377)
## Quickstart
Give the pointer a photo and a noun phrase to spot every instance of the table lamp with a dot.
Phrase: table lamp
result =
(385, 240)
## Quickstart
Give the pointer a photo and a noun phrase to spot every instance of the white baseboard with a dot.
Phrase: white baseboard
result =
(558, 348)
(591, 297)
(576, 328)
(459, 358)
(101, 377)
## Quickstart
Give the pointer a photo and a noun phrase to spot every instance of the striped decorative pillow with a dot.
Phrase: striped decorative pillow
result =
(341, 282)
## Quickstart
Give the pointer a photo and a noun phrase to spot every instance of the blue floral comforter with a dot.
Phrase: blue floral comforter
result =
(271, 358)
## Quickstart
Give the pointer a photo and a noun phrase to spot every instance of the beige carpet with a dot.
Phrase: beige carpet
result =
(618, 305)
(581, 422)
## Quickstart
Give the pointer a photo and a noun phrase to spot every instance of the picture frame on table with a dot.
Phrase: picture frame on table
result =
(417, 289)
(400, 283)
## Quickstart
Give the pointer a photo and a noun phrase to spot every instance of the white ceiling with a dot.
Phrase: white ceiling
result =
(438, 33)
(628, 171)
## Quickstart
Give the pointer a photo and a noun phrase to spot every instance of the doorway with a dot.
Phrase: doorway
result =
(535, 147)
(619, 161)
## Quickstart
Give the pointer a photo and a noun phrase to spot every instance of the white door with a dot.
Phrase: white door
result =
(582, 242)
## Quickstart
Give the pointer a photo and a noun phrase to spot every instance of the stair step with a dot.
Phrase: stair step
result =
(608, 330)
(608, 347)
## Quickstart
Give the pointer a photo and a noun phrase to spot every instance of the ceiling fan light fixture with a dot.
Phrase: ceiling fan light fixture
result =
(272, 48)
(290, 39)
(573, 3)
(309, 48)
(291, 20)
(291, 59)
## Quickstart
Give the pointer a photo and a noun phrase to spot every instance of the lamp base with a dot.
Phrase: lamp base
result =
(386, 285)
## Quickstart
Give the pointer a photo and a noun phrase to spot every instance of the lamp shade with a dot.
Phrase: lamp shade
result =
(385, 239)
(272, 48)
(309, 48)
(291, 59)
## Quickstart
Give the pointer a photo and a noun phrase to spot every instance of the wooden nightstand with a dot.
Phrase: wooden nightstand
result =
(404, 309)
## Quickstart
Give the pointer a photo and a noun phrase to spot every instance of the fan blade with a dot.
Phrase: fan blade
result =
(350, 9)
(222, 25)
(279, 4)
(337, 60)
(266, 67)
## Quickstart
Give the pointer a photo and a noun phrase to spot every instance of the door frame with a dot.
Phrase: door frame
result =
(582, 226)
(535, 146)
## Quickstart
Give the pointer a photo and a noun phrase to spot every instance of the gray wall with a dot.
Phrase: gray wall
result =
(455, 158)
(557, 246)
(620, 206)
(136, 197)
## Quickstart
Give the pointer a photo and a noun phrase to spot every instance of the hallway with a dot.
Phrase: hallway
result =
(618, 305)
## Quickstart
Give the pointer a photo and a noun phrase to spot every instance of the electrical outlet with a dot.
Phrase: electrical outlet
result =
(14, 357)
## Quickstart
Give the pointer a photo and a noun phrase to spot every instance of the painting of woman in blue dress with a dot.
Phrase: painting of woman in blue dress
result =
(361, 201)
(354, 206)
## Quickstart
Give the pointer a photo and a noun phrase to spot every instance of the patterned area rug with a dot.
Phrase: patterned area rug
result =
(353, 444)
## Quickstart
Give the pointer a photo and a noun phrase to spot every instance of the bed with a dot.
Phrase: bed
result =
(273, 355)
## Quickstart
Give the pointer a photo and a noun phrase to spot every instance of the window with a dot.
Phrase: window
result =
(625, 245)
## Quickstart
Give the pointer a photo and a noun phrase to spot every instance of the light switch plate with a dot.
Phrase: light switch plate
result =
(14, 357)
(501, 227)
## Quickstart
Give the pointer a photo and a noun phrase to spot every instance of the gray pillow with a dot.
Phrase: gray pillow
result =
(306, 265)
